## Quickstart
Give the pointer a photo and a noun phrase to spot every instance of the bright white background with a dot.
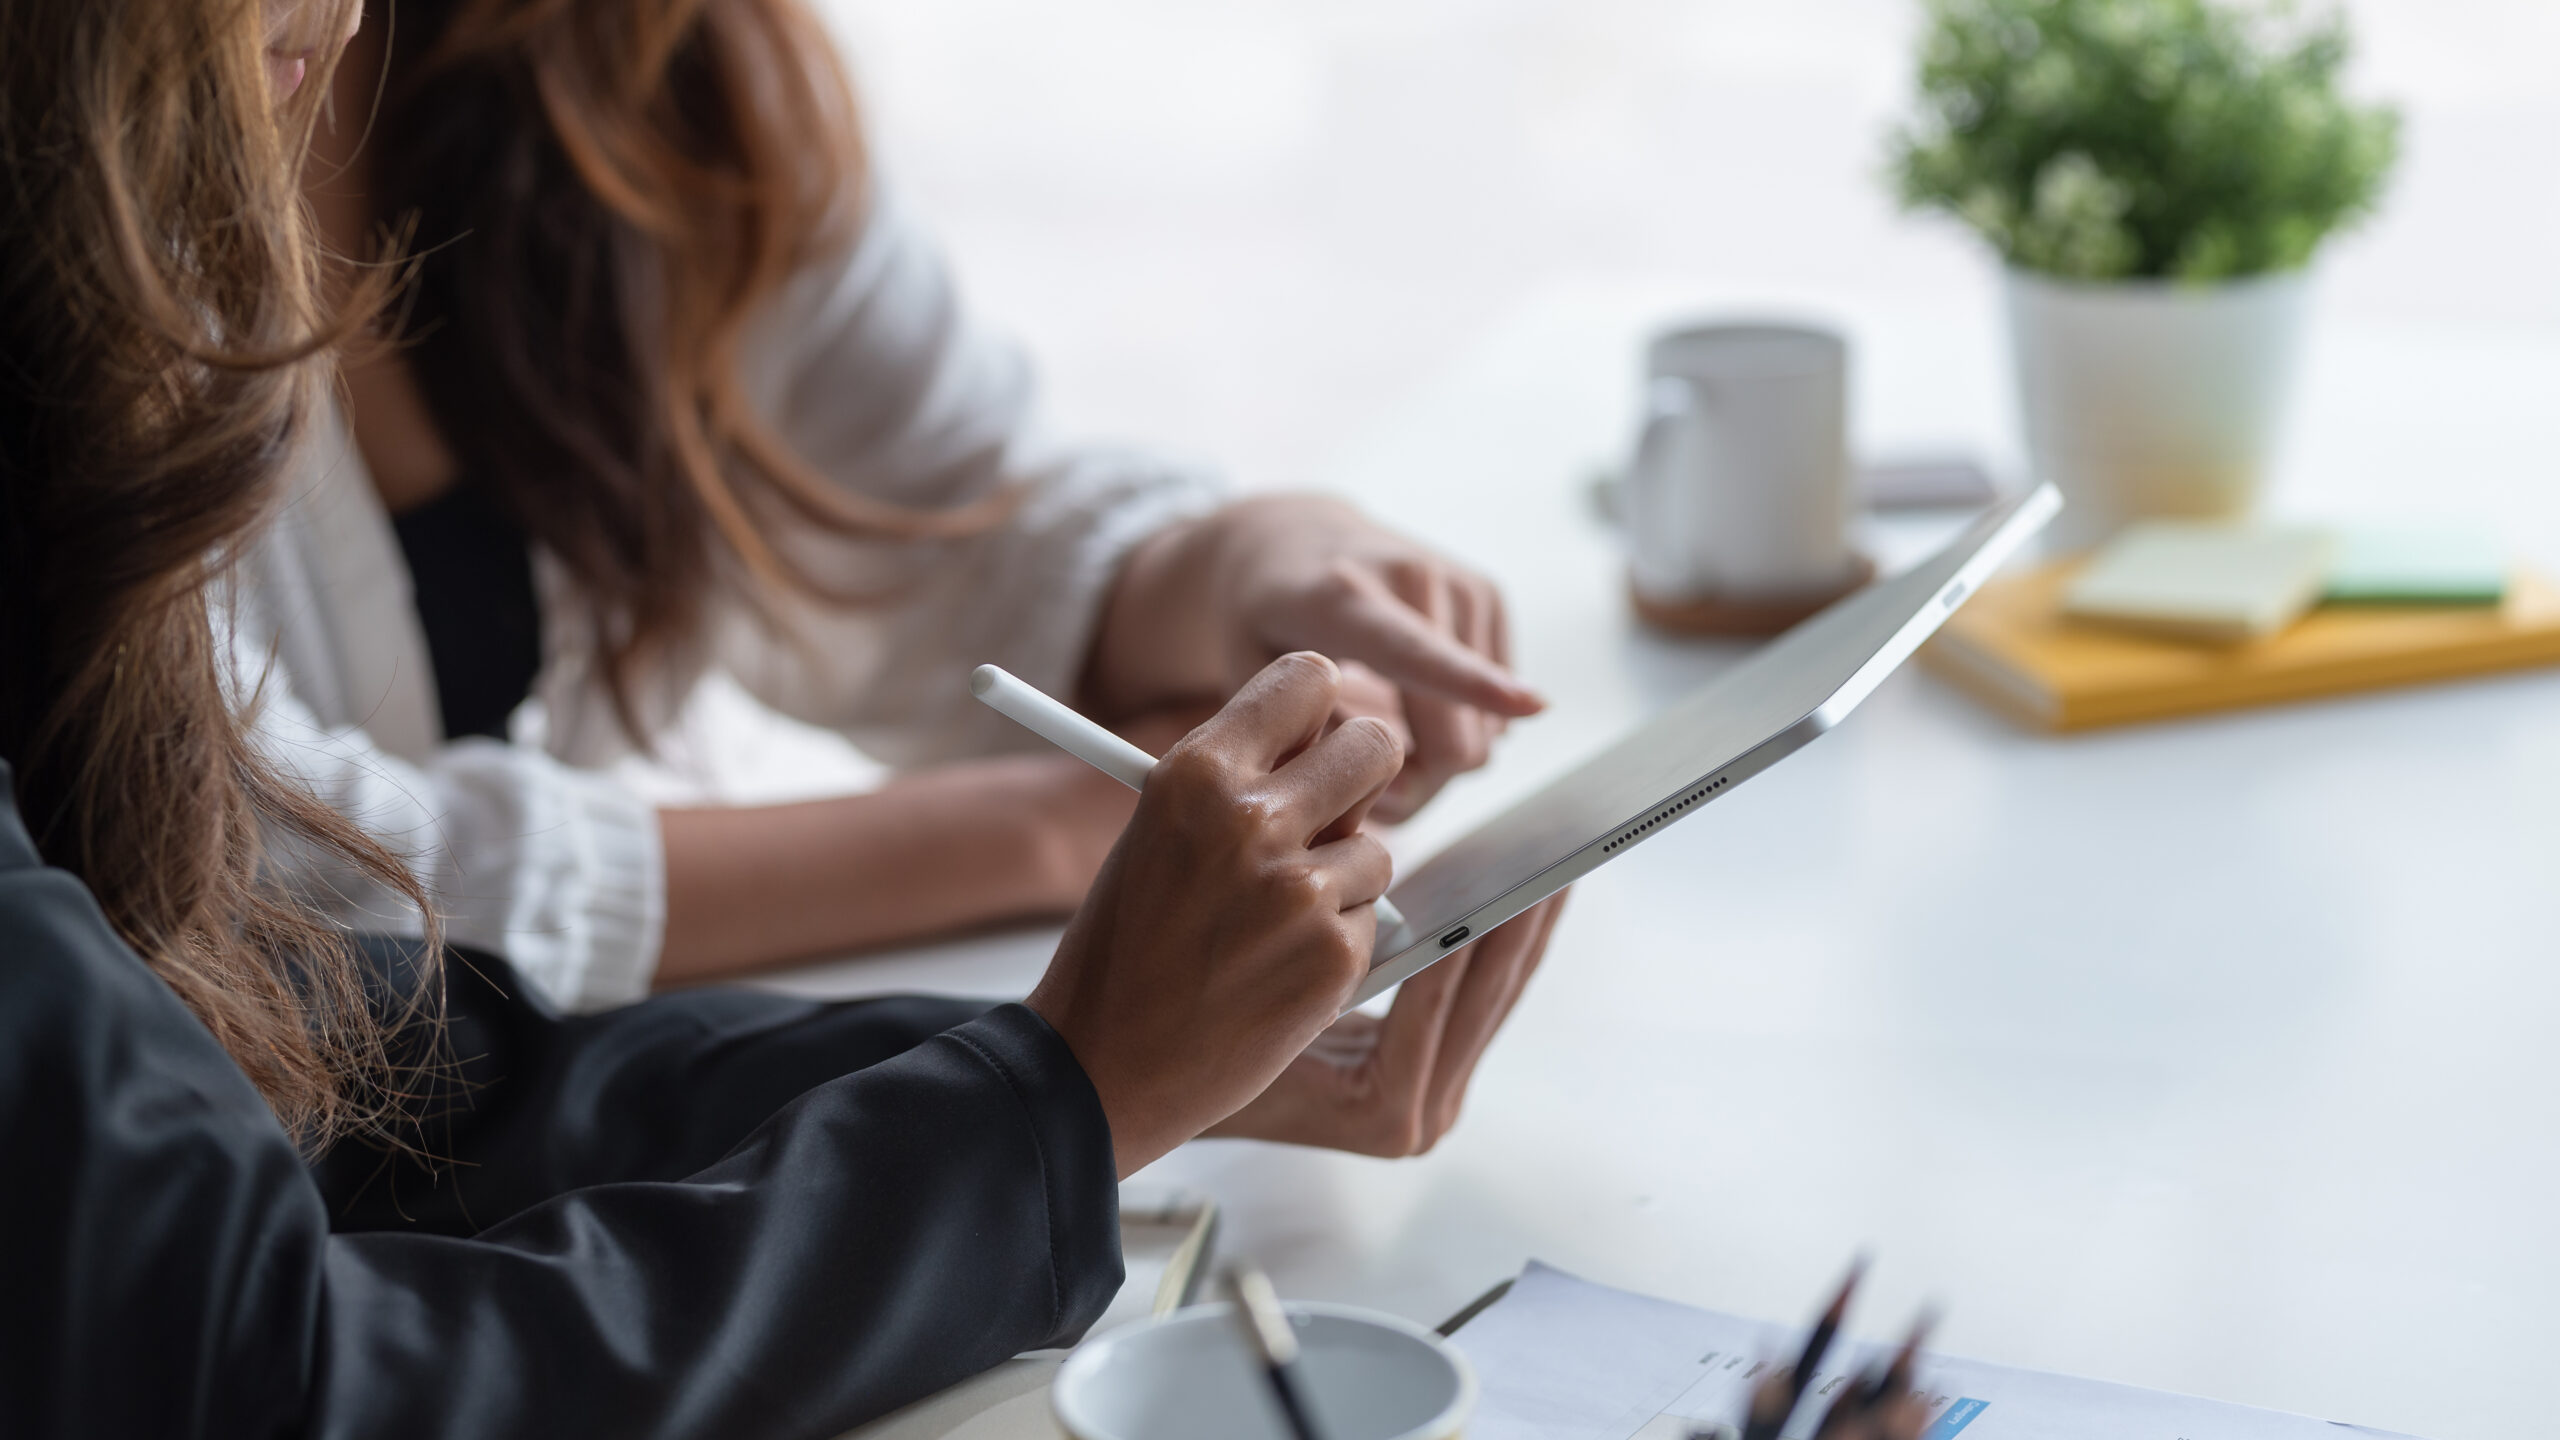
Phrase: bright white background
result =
(2303, 1154)
(1246, 229)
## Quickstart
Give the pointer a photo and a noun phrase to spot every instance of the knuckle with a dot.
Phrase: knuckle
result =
(1301, 886)
(1254, 809)
(1369, 853)
(1338, 961)
(1350, 957)
(1197, 803)
(1191, 767)
(1213, 803)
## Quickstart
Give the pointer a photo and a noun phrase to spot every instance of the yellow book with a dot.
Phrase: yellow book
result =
(2012, 645)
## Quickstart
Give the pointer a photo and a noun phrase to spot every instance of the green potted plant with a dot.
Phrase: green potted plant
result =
(2156, 176)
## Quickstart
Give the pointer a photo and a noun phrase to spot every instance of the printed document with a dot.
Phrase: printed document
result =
(1564, 1359)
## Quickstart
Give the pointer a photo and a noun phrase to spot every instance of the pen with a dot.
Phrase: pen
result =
(1273, 1343)
(1770, 1408)
(1010, 696)
(1888, 1383)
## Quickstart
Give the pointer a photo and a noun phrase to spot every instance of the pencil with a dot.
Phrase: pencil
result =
(1773, 1405)
(1274, 1344)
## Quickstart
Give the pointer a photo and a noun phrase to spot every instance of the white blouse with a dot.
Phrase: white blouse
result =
(543, 849)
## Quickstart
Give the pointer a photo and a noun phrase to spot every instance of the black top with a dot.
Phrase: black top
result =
(713, 1213)
(471, 577)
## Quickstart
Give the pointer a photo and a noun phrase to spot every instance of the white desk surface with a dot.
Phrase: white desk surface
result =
(2215, 1056)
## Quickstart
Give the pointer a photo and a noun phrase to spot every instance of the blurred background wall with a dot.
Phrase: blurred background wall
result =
(1242, 229)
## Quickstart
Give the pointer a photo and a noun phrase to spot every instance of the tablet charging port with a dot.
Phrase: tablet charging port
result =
(1453, 937)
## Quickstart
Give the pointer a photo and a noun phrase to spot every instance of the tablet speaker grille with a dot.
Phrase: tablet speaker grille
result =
(1665, 815)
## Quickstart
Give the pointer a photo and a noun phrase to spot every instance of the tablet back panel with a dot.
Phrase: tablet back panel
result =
(1744, 721)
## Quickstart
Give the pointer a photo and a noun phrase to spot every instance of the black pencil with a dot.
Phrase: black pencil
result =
(1274, 1344)
(1767, 1419)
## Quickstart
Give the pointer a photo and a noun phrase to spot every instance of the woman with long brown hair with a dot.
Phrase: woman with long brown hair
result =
(674, 391)
(152, 396)
(268, 1179)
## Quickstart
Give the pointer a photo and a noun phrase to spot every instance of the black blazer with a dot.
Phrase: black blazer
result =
(714, 1213)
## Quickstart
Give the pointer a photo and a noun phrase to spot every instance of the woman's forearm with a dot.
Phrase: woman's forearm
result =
(1161, 635)
(942, 850)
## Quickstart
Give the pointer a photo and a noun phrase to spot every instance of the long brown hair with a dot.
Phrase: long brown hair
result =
(157, 329)
(605, 194)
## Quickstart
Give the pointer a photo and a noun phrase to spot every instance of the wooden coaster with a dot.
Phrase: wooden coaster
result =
(1747, 614)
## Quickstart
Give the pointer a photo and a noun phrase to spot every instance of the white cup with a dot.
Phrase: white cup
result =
(1740, 482)
(1187, 1377)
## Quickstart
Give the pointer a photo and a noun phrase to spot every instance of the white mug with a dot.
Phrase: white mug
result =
(1740, 482)
(1186, 1377)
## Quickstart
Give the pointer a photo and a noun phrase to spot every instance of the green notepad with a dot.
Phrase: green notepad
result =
(2416, 567)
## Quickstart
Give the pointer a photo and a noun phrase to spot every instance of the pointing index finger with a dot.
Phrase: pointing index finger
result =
(1392, 638)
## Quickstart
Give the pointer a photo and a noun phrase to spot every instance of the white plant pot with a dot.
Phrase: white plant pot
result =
(2148, 399)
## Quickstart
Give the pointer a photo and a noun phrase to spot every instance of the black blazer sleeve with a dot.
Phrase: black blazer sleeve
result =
(511, 1103)
(167, 1266)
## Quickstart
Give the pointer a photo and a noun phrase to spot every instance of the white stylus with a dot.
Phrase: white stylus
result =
(1008, 695)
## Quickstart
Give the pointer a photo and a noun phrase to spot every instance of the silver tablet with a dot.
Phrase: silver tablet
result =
(1745, 721)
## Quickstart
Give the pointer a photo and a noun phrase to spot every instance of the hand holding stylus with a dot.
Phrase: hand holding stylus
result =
(1230, 906)
(1227, 928)
(1050, 719)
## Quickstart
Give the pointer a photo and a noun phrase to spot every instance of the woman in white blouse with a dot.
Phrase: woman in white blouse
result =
(678, 393)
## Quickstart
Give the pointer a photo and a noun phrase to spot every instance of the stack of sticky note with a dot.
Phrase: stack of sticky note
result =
(2202, 582)
(2174, 619)
(2415, 567)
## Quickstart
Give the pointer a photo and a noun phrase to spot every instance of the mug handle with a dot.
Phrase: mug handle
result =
(1657, 536)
